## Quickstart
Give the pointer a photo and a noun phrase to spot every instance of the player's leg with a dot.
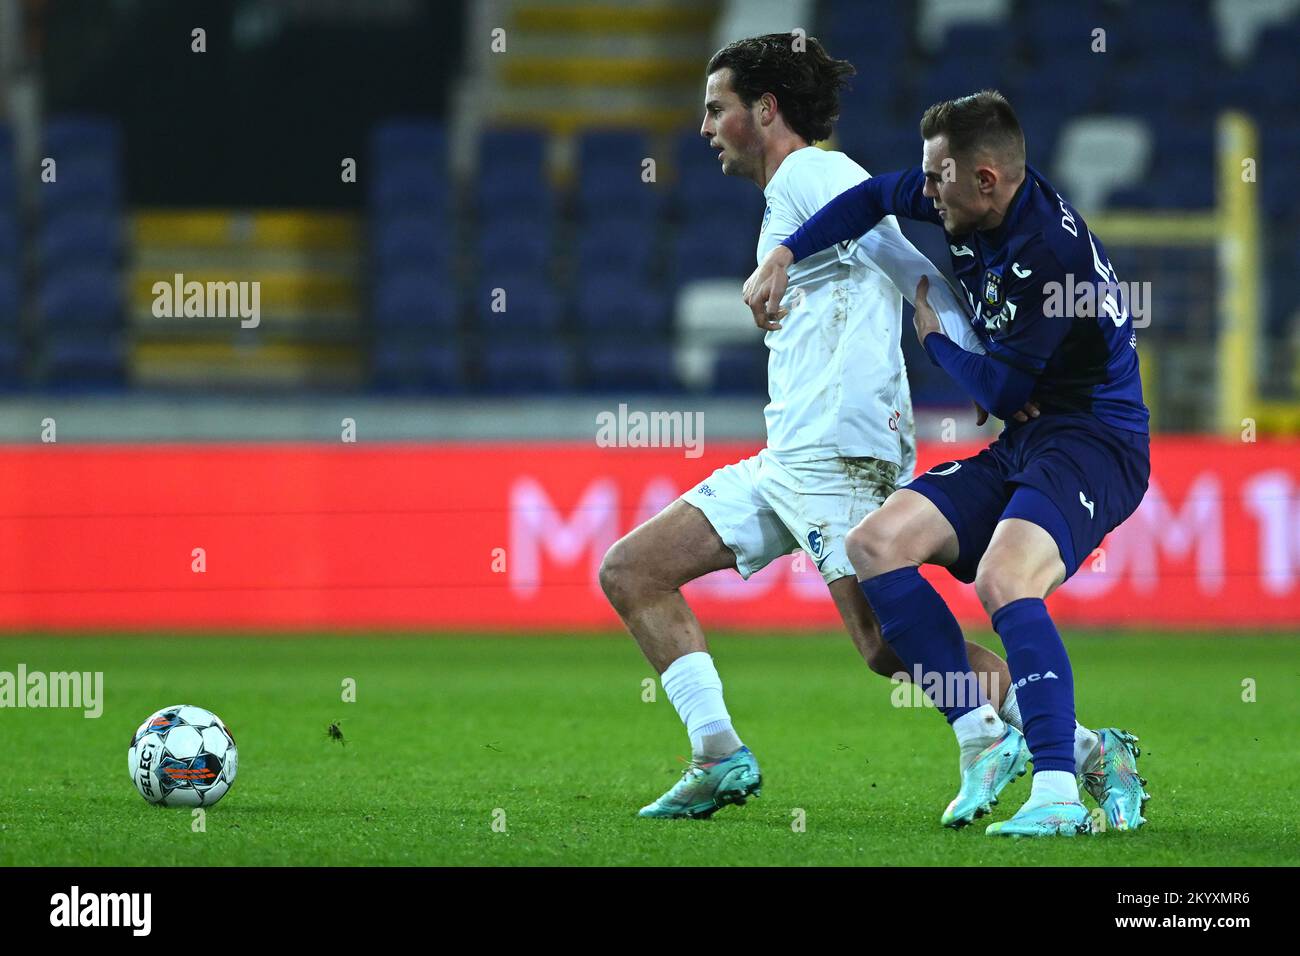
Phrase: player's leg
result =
(1077, 487)
(820, 503)
(642, 575)
(864, 630)
(1020, 568)
(887, 549)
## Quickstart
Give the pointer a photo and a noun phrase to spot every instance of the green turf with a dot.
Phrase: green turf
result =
(553, 731)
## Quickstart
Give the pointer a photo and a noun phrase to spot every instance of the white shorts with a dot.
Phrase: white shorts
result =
(763, 508)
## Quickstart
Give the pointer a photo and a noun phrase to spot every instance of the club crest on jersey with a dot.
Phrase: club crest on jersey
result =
(993, 289)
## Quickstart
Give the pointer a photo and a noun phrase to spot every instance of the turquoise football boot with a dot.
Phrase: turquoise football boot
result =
(1110, 775)
(707, 787)
(1046, 819)
(995, 767)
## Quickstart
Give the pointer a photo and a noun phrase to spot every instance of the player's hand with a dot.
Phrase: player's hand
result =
(927, 320)
(1029, 411)
(765, 288)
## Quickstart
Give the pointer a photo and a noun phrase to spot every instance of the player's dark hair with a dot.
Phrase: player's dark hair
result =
(795, 69)
(981, 122)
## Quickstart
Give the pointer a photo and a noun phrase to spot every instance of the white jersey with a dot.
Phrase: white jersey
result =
(836, 377)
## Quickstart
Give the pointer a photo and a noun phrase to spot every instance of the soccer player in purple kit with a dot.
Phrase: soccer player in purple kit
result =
(1021, 516)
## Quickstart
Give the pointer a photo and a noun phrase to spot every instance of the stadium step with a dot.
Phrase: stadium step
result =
(571, 67)
(307, 268)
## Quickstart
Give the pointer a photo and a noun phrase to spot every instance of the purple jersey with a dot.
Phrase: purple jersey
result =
(1046, 300)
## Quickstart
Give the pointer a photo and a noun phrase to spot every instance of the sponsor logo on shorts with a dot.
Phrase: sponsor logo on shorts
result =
(706, 490)
(1087, 504)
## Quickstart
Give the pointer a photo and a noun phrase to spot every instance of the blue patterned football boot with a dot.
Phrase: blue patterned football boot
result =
(708, 786)
(1110, 775)
(1046, 819)
(988, 774)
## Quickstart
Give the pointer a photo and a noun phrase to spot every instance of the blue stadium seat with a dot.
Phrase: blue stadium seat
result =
(417, 365)
(1041, 126)
(1056, 29)
(883, 148)
(620, 367)
(10, 296)
(852, 30)
(87, 359)
(523, 368)
(8, 172)
(8, 237)
(416, 241)
(531, 306)
(81, 299)
(624, 149)
(84, 183)
(740, 370)
(68, 135)
(1070, 85)
(521, 152)
(415, 300)
(703, 192)
(409, 185)
(610, 165)
(80, 239)
(11, 361)
(614, 304)
(614, 191)
(410, 138)
(870, 98)
(513, 246)
(506, 194)
(715, 251)
(621, 247)
(1280, 158)
(988, 45)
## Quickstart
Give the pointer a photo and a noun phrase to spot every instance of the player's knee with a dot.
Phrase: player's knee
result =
(618, 578)
(869, 546)
(998, 583)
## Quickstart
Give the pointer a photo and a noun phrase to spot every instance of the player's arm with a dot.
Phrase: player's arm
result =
(1002, 380)
(849, 215)
(857, 210)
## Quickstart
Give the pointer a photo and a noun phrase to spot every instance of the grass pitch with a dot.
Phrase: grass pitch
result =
(551, 736)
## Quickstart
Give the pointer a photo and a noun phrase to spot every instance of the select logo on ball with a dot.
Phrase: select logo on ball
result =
(183, 756)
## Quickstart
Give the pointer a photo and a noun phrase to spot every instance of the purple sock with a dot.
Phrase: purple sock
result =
(922, 631)
(1044, 683)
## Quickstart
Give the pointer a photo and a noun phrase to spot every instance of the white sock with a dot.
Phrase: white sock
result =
(1011, 710)
(1053, 786)
(975, 730)
(1085, 741)
(695, 689)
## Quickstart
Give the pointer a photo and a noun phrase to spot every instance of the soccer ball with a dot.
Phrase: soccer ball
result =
(182, 756)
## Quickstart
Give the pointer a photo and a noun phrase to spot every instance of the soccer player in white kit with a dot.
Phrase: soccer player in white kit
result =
(839, 423)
